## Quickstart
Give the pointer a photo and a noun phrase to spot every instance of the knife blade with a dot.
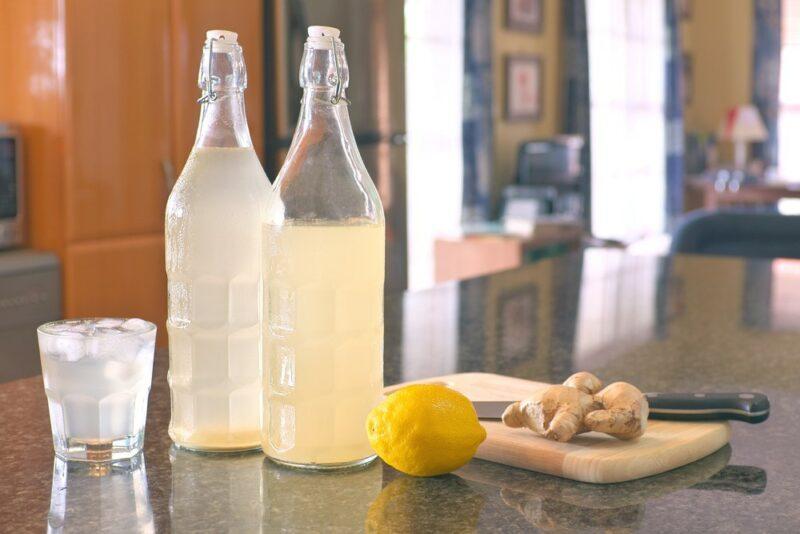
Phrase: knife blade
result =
(748, 407)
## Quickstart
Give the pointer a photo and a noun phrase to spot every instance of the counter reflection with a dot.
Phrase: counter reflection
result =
(437, 504)
(223, 490)
(90, 497)
(299, 501)
(662, 318)
(555, 504)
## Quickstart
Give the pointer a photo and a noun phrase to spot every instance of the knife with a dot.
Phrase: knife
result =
(747, 407)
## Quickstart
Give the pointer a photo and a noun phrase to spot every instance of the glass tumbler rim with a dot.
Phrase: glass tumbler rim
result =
(43, 329)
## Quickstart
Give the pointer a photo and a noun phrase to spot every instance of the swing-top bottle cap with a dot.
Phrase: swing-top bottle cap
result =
(224, 40)
(323, 31)
(222, 35)
(320, 37)
(222, 65)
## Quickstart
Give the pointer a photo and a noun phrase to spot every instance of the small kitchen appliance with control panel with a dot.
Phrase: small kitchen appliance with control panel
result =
(11, 187)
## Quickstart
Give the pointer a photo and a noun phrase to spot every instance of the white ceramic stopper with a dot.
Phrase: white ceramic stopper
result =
(222, 35)
(323, 31)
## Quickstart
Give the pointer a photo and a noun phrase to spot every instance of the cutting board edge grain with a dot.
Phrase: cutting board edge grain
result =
(591, 457)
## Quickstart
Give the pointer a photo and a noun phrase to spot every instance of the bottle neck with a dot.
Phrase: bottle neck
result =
(223, 122)
(223, 79)
(324, 77)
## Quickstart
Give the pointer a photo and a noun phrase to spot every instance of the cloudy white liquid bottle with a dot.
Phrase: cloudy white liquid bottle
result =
(213, 253)
(323, 280)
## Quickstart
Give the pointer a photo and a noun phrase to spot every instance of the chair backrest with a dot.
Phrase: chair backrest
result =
(738, 233)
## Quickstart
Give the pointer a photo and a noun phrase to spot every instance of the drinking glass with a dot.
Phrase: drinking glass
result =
(97, 375)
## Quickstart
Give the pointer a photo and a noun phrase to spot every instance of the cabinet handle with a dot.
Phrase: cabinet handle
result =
(169, 175)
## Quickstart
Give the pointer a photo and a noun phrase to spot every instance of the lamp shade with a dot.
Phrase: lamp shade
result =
(743, 123)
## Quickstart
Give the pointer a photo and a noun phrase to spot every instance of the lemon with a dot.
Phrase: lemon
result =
(425, 430)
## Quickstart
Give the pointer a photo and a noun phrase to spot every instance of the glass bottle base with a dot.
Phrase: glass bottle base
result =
(363, 462)
(95, 450)
(216, 450)
(216, 442)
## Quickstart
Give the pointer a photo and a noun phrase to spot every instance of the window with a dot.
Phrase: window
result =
(789, 92)
(627, 55)
(434, 109)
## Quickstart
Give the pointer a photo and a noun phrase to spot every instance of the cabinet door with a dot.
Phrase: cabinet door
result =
(117, 278)
(118, 121)
(190, 21)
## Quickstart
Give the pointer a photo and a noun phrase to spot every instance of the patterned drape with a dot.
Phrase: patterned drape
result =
(477, 121)
(577, 111)
(766, 74)
(673, 106)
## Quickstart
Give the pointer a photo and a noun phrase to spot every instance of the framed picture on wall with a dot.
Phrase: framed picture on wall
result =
(525, 15)
(524, 86)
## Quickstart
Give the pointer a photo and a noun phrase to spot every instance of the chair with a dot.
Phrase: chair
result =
(738, 233)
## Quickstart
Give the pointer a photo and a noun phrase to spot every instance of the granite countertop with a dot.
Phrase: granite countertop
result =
(666, 324)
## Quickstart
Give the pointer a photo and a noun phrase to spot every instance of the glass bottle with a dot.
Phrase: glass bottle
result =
(323, 280)
(213, 253)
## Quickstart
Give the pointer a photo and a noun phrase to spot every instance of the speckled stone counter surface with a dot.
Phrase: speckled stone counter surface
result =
(665, 324)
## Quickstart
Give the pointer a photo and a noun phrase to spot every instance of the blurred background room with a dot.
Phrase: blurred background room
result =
(498, 132)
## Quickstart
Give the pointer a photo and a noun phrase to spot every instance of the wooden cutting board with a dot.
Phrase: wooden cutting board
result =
(591, 457)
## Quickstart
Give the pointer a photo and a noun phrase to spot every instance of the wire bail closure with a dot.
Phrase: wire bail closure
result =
(337, 96)
(210, 95)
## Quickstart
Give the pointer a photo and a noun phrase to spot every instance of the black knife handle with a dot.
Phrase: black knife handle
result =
(747, 407)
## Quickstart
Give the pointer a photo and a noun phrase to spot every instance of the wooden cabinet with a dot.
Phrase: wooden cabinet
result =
(118, 81)
(116, 277)
(105, 94)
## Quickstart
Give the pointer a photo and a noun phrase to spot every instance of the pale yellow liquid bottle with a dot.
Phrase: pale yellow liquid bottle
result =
(325, 321)
(323, 281)
(213, 252)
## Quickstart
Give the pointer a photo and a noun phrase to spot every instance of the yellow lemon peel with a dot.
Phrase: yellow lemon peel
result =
(425, 430)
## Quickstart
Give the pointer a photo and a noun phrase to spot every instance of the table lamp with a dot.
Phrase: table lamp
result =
(742, 125)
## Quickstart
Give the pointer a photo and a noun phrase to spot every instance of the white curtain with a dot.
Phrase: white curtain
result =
(434, 115)
(627, 55)
(789, 93)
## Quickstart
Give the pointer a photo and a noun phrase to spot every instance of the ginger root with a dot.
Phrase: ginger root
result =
(624, 413)
(586, 382)
(557, 412)
(578, 405)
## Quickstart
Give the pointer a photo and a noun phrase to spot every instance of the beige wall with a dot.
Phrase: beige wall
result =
(718, 36)
(547, 45)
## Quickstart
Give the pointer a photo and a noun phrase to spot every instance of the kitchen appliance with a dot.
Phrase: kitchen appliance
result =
(591, 457)
(11, 187)
(555, 161)
(30, 294)
(375, 36)
(548, 176)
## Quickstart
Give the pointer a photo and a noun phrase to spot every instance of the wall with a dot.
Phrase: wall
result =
(718, 36)
(547, 45)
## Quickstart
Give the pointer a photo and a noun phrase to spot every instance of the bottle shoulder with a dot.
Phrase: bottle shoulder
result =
(223, 171)
(324, 196)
